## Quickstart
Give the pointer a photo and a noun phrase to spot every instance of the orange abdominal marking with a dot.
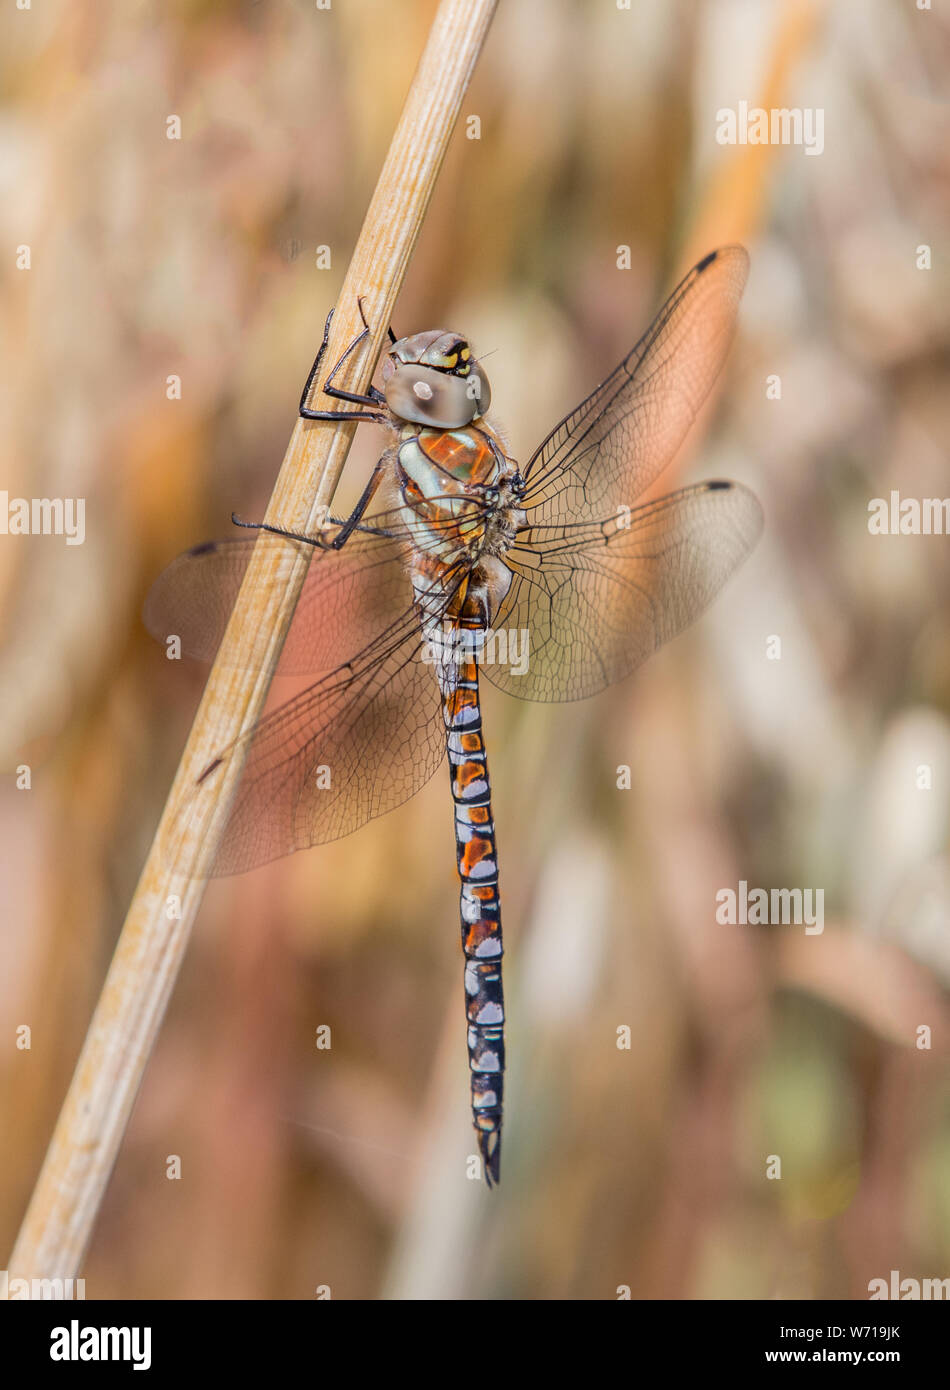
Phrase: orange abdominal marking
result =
(475, 851)
(467, 773)
(478, 934)
(461, 700)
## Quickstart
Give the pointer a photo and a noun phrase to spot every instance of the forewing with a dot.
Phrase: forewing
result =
(348, 596)
(356, 744)
(611, 448)
(596, 599)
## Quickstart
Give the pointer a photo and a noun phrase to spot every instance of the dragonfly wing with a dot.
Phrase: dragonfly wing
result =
(607, 452)
(597, 598)
(356, 744)
(348, 596)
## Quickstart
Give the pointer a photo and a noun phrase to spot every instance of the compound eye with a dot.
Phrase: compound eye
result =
(427, 396)
(478, 389)
(449, 353)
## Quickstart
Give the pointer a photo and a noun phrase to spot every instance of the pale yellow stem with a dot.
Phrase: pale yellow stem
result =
(83, 1148)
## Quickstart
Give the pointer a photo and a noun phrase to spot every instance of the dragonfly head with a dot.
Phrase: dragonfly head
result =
(433, 379)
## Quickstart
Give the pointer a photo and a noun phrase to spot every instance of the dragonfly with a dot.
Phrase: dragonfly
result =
(553, 580)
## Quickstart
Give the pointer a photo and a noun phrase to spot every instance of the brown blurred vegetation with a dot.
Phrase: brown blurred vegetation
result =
(643, 1167)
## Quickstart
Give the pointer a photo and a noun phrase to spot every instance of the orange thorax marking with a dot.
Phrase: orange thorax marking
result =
(465, 454)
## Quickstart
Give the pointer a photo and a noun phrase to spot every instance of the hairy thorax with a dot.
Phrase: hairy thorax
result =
(463, 497)
(462, 491)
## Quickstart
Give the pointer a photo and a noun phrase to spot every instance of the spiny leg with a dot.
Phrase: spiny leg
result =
(374, 398)
(389, 330)
(347, 527)
(377, 399)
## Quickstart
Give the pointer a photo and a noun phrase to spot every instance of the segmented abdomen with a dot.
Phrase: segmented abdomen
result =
(479, 901)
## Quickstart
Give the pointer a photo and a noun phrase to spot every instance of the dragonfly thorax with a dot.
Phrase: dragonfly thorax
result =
(432, 378)
(462, 492)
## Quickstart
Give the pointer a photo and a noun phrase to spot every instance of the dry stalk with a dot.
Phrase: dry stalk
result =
(129, 1013)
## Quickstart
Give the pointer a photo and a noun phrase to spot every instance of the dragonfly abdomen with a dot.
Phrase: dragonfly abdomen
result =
(477, 862)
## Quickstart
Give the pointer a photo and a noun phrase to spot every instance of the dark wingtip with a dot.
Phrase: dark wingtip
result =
(718, 485)
(706, 261)
(205, 548)
(490, 1145)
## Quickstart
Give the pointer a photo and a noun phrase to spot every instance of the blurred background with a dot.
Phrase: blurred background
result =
(642, 1167)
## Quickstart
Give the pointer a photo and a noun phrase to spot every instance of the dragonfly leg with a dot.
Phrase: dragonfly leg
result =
(389, 330)
(347, 527)
(353, 520)
(308, 414)
(318, 542)
(375, 398)
(317, 360)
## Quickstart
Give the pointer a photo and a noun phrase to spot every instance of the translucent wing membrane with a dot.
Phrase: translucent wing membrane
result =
(348, 597)
(597, 599)
(365, 736)
(611, 448)
(357, 744)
